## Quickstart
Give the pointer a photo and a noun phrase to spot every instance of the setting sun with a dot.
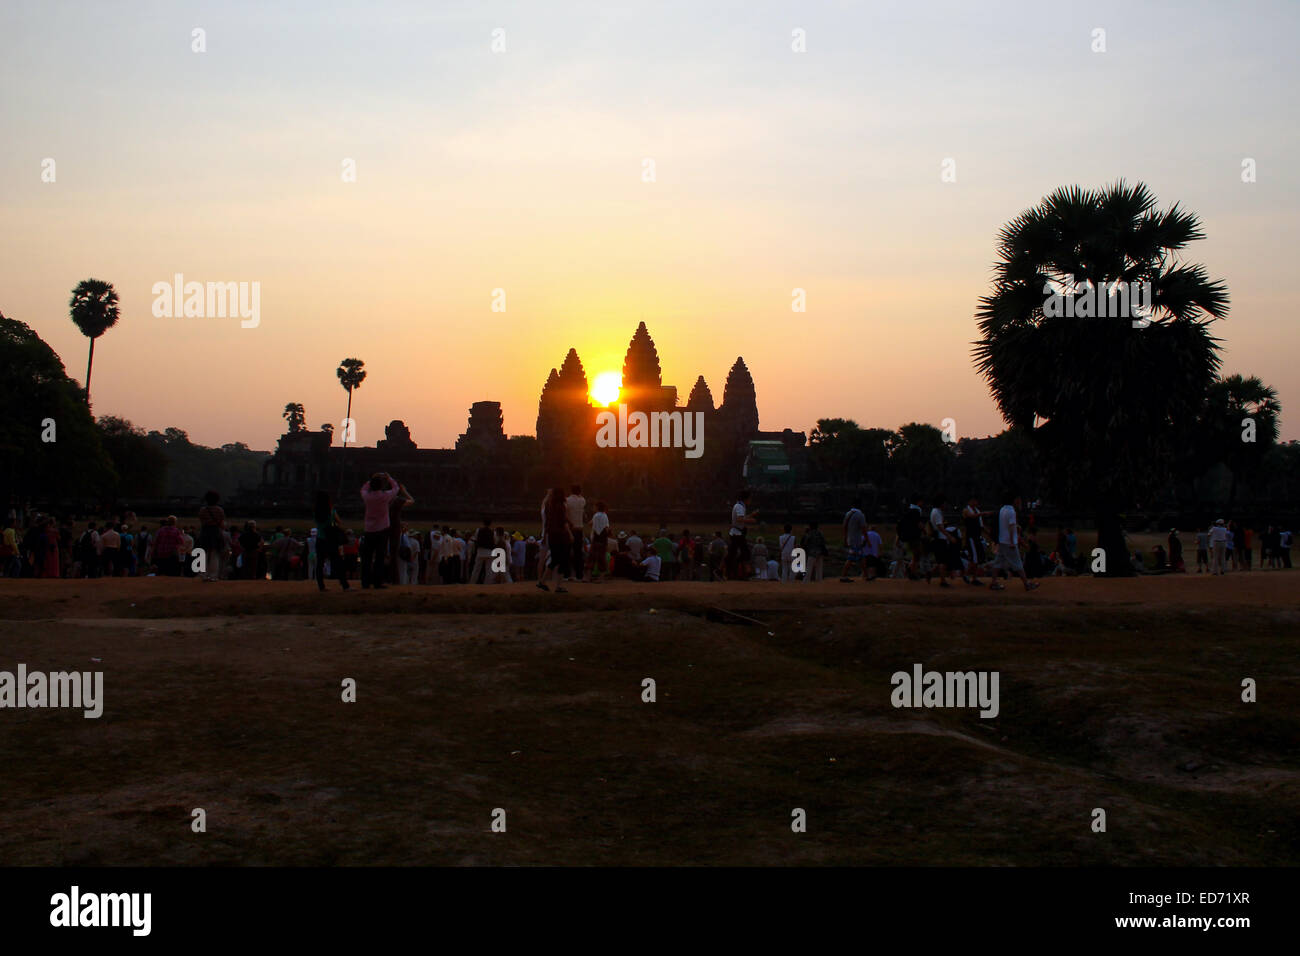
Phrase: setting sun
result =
(605, 388)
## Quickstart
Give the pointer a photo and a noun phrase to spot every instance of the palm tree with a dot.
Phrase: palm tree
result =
(351, 373)
(1106, 403)
(296, 416)
(94, 310)
(1229, 401)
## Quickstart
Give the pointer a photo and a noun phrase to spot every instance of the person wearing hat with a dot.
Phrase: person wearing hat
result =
(1218, 547)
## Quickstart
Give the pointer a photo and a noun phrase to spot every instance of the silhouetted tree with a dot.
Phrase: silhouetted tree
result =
(1106, 403)
(296, 416)
(351, 373)
(93, 308)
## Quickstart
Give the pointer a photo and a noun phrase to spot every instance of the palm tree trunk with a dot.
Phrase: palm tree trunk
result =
(344, 457)
(1110, 538)
(89, 363)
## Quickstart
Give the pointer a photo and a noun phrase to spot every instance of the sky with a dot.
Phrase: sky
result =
(524, 169)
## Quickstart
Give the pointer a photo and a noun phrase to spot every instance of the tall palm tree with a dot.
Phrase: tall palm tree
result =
(93, 309)
(1106, 403)
(351, 373)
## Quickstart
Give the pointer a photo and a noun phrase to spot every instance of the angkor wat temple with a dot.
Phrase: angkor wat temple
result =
(489, 471)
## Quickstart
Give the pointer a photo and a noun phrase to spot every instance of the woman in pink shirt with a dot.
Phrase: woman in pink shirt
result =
(376, 494)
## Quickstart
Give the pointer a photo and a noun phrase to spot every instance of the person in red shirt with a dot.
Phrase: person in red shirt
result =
(167, 547)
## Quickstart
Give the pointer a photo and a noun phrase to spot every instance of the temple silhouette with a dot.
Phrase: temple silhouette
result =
(488, 470)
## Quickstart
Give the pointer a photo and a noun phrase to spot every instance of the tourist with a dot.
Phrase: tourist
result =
(1176, 551)
(110, 551)
(598, 554)
(501, 545)
(460, 556)
(737, 546)
(717, 557)
(48, 563)
(943, 544)
(128, 548)
(785, 547)
(483, 542)
(329, 540)
(167, 549)
(446, 552)
(652, 566)
(250, 552)
(187, 551)
(399, 501)
(532, 548)
(1008, 556)
(518, 557)
(211, 520)
(972, 519)
(663, 546)
(575, 507)
(1219, 538)
(855, 543)
(543, 546)
(634, 545)
(557, 533)
(85, 555)
(408, 556)
(686, 560)
(1202, 550)
(11, 565)
(758, 559)
(909, 535)
(377, 494)
(875, 551)
(815, 552)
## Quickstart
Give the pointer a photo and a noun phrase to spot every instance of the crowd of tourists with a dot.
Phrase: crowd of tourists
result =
(579, 542)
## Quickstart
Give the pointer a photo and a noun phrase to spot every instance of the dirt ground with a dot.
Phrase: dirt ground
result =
(1121, 695)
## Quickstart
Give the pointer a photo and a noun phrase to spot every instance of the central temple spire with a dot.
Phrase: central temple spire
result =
(641, 365)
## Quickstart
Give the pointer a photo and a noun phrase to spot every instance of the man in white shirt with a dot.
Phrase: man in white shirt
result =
(634, 546)
(1219, 548)
(786, 544)
(1008, 557)
(652, 564)
(942, 544)
(737, 546)
(575, 507)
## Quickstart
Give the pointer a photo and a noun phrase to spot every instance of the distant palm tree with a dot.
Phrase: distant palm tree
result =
(1107, 404)
(94, 311)
(351, 373)
(1228, 402)
(296, 416)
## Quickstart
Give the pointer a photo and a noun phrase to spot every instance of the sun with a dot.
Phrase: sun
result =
(606, 387)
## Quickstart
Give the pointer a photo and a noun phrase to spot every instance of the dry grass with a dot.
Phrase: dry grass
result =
(1116, 694)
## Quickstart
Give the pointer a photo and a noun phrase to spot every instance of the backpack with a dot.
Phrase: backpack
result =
(86, 547)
